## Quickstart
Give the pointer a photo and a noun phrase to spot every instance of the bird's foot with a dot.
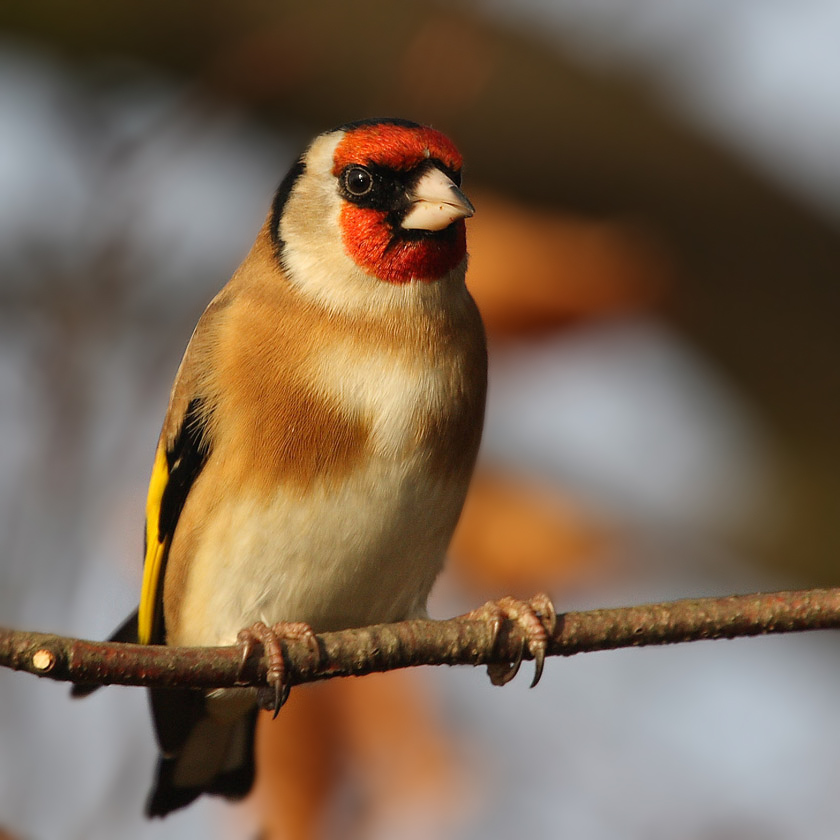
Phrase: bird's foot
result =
(537, 619)
(271, 638)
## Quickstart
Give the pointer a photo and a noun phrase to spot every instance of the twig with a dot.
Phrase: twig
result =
(387, 647)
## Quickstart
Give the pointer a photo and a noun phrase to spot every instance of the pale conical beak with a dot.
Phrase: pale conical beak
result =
(436, 202)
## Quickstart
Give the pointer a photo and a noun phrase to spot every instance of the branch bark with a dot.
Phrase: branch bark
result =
(406, 644)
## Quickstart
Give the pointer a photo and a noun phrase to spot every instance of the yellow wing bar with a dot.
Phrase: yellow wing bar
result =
(156, 548)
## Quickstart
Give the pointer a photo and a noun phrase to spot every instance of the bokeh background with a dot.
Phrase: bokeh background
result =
(656, 252)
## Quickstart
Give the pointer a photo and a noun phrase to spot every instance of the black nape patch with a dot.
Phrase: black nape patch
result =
(378, 121)
(167, 794)
(280, 199)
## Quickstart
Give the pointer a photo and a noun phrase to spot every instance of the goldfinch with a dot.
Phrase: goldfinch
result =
(320, 436)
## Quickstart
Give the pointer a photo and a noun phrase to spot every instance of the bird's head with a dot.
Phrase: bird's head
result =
(372, 204)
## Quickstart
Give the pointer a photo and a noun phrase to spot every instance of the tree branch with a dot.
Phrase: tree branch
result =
(387, 647)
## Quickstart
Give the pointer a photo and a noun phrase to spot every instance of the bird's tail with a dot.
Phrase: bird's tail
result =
(206, 742)
(207, 746)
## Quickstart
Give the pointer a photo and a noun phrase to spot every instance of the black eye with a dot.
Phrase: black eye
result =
(358, 181)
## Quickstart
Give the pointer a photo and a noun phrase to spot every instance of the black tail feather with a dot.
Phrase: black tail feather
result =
(234, 783)
(176, 714)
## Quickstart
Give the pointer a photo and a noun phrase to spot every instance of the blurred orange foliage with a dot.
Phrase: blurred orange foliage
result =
(350, 758)
(517, 536)
(538, 270)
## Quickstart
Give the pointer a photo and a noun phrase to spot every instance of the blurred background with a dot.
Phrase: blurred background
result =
(656, 253)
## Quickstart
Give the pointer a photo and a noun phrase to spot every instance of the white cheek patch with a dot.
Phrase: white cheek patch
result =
(313, 251)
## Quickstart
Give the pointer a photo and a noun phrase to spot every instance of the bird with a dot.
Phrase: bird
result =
(320, 437)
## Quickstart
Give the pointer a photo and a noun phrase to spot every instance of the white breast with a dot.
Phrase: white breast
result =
(388, 390)
(363, 552)
(366, 553)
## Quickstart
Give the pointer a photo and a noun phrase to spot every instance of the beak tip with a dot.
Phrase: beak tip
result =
(463, 202)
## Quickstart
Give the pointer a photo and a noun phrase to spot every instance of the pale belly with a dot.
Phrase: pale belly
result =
(366, 552)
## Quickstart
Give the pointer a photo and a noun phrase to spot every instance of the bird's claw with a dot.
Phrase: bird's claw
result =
(501, 673)
(277, 693)
(536, 617)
